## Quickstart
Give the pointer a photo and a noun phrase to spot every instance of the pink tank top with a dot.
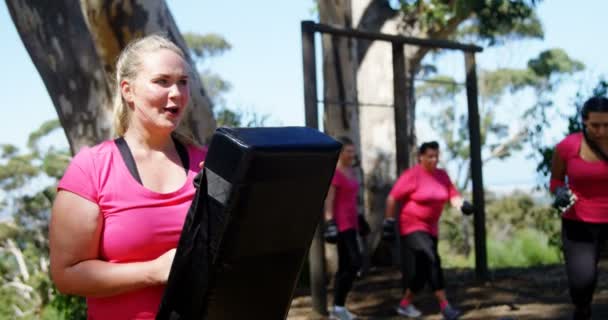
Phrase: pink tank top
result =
(587, 180)
(423, 194)
(138, 224)
(345, 201)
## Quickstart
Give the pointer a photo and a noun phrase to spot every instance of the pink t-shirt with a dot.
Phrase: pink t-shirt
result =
(587, 180)
(138, 224)
(345, 201)
(424, 194)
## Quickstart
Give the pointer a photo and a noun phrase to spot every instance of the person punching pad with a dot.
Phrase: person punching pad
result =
(259, 199)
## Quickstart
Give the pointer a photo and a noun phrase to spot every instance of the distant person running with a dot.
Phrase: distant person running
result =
(424, 190)
(342, 226)
(579, 180)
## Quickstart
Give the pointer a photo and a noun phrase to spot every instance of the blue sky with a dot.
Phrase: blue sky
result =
(265, 64)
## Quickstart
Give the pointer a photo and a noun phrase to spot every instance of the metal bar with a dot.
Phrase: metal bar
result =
(395, 39)
(316, 255)
(354, 103)
(401, 102)
(453, 83)
(481, 262)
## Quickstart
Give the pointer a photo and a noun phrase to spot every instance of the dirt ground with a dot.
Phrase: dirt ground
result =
(517, 293)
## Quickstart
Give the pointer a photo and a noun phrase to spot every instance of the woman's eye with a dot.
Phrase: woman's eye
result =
(183, 82)
(161, 81)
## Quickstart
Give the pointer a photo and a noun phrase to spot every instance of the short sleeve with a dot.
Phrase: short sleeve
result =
(405, 185)
(452, 191)
(569, 146)
(79, 176)
(336, 181)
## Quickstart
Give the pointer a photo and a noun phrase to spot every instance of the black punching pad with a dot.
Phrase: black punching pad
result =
(258, 202)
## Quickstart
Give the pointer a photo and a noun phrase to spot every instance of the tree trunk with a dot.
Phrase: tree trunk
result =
(369, 112)
(375, 96)
(340, 110)
(75, 63)
(56, 38)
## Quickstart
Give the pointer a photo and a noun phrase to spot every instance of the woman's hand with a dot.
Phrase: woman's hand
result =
(201, 164)
(162, 267)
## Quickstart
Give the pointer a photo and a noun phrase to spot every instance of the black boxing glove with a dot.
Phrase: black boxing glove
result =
(330, 231)
(564, 199)
(388, 230)
(467, 208)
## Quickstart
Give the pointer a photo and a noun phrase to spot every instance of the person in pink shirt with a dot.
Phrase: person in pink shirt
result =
(341, 214)
(579, 180)
(121, 204)
(423, 191)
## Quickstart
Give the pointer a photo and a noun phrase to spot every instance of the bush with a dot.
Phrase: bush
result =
(527, 248)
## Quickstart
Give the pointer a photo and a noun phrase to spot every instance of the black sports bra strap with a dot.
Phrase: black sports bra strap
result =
(127, 156)
(183, 154)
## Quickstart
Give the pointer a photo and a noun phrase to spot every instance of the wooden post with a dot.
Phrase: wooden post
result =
(481, 262)
(401, 104)
(316, 255)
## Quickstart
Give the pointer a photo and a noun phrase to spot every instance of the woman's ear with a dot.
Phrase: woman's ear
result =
(126, 90)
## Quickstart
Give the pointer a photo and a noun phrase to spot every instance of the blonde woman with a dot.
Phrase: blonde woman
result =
(121, 204)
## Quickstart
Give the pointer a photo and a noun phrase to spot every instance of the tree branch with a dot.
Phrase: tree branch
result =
(505, 147)
(19, 257)
(449, 29)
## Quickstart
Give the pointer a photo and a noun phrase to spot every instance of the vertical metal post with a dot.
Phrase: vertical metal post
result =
(481, 262)
(316, 255)
(401, 102)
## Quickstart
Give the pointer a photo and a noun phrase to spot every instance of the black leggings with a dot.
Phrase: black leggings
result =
(349, 263)
(420, 262)
(582, 243)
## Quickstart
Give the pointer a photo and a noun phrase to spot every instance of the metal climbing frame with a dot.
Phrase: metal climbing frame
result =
(402, 103)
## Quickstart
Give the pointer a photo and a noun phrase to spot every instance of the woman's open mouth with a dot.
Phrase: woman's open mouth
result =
(174, 110)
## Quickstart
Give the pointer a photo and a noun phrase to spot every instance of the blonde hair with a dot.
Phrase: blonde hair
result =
(127, 67)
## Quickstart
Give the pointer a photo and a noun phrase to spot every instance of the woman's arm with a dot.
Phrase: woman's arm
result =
(456, 202)
(558, 172)
(74, 236)
(329, 203)
(391, 205)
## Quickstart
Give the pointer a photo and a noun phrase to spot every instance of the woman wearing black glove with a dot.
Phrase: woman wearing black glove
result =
(341, 212)
(579, 182)
(424, 190)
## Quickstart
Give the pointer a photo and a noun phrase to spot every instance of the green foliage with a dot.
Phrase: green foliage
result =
(543, 74)
(44, 130)
(216, 87)
(211, 45)
(28, 180)
(494, 83)
(496, 19)
(206, 45)
(69, 307)
(202, 48)
(491, 21)
(439, 88)
(527, 248)
(228, 118)
(521, 232)
(552, 62)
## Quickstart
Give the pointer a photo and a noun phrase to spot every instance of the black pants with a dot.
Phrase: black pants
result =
(582, 243)
(420, 262)
(349, 263)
